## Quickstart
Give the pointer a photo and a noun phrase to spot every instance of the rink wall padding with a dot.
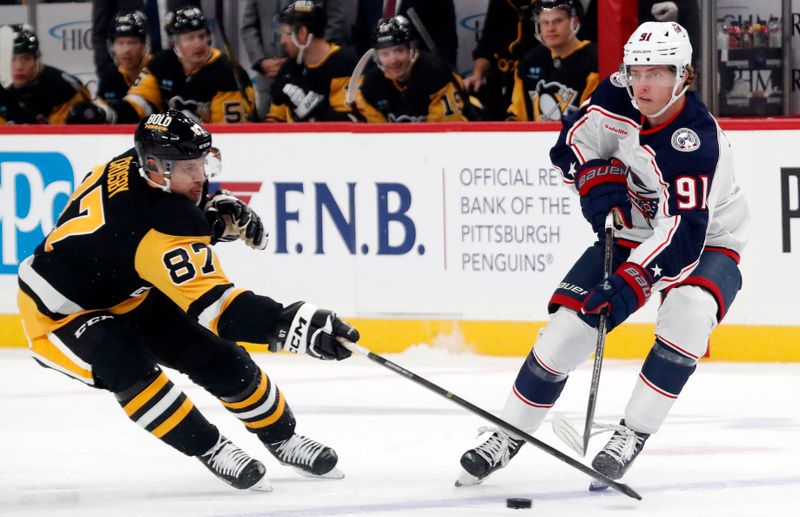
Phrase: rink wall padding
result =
(445, 234)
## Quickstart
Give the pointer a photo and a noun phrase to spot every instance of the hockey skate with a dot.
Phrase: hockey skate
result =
(493, 454)
(235, 467)
(308, 457)
(617, 456)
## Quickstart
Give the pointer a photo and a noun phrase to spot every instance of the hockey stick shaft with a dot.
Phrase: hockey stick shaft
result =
(360, 350)
(352, 84)
(602, 328)
(426, 37)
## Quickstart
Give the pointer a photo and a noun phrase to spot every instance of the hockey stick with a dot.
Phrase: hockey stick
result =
(235, 66)
(469, 110)
(561, 427)
(352, 85)
(360, 350)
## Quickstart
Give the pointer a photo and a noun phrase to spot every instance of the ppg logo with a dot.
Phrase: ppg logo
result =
(34, 189)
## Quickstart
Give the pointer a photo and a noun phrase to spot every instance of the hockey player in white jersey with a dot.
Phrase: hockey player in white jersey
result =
(645, 146)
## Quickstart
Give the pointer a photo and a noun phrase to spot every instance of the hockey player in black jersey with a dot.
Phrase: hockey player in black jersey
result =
(39, 93)
(408, 85)
(129, 46)
(127, 281)
(193, 77)
(311, 84)
(554, 79)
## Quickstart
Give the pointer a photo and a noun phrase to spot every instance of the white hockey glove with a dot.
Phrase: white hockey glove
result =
(304, 102)
(665, 11)
(306, 329)
(230, 218)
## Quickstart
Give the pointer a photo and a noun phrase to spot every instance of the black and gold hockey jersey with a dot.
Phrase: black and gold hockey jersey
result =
(211, 93)
(548, 87)
(45, 100)
(429, 95)
(118, 238)
(113, 84)
(303, 93)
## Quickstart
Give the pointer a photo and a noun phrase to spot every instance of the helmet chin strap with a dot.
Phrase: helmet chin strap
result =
(301, 48)
(165, 187)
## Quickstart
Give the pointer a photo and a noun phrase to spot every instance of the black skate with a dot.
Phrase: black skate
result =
(235, 467)
(617, 456)
(493, 454)
(308, 457)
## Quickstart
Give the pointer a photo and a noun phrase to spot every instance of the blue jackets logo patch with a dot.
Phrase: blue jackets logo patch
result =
(685, 140)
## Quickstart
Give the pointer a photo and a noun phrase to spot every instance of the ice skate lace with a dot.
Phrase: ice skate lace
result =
(299, 450)
(495, 450)
(227, 459)
(622, 444)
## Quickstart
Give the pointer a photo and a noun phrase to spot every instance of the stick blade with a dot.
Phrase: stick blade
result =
(565, 431)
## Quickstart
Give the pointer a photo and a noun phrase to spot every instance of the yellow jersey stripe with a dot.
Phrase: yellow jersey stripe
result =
(252, 399)
(258, 424)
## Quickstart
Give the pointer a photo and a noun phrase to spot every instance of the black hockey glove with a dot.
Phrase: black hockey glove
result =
(230, 218)
(603, 186)
(305, 328)
(303, 103)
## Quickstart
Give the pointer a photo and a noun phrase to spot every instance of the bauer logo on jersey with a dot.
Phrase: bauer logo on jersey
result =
(34, 189)
(685, 140)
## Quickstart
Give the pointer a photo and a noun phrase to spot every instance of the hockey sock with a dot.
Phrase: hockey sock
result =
(663, 376)
(166, 412)
(262, 409)
(535, 391)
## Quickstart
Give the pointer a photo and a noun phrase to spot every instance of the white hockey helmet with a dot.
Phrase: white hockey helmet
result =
(658, 43)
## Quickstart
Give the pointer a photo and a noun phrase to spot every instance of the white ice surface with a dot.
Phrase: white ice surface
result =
(729, 448)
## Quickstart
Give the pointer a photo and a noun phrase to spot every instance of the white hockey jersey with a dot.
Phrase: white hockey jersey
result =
(680, 178)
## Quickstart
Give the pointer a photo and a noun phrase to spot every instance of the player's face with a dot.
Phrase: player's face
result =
(193, 47)
(128, 52)
(187, 178)
(652, 86)
(23, 69)
(555, 27)
(286, 41)
(395, 61)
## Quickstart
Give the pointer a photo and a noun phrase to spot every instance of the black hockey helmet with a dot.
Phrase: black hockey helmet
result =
(391, 32)
(546, 5)
(186, 19)
(132, 24)
(171, 136)
(25, 39)
(305, 13)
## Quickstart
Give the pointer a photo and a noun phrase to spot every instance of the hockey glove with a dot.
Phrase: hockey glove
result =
(603, 186)
(621, 294)
(304, 102)
(230, 218)
(306, 329)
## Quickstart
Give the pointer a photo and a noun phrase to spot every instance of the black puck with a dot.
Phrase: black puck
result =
(518, 502)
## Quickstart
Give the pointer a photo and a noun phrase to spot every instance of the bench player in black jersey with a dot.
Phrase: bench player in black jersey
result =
(408, 85)
(127, 281)
(39, 93)
(129, 46)
(554, 79)
(193, 77)
(311, 84)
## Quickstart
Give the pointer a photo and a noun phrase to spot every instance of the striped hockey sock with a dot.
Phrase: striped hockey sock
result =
(163, 410)
(262, 409)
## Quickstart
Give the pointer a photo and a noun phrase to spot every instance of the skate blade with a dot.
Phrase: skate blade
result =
(467, 479)
(262, 485)
(597, 486)
(334, 473)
